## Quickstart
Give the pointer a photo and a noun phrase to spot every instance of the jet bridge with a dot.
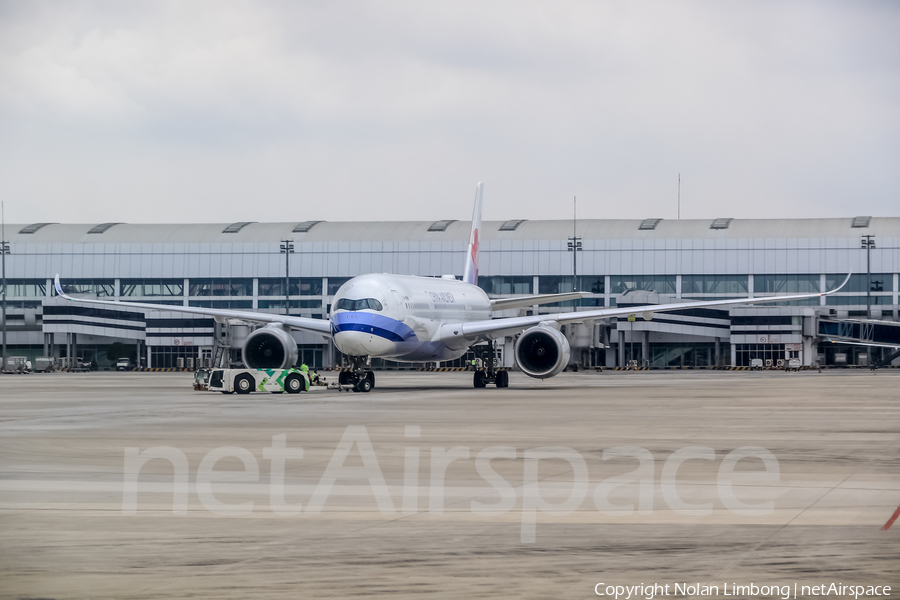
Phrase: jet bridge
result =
(862, 332)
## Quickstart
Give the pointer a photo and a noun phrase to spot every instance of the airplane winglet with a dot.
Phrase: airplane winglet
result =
(846, 279)
(59, 291)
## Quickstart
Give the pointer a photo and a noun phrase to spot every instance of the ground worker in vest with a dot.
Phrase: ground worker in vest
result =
(305, 370)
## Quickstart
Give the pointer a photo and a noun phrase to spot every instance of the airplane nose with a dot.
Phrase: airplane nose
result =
(360, 343)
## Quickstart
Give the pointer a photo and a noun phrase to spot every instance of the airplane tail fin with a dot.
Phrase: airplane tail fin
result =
(470, 275)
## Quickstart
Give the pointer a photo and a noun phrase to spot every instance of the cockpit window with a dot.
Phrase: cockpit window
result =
(364, 304)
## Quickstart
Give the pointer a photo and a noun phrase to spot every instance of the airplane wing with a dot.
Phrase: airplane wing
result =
(524, 301)
(497, 328)
(322, 326)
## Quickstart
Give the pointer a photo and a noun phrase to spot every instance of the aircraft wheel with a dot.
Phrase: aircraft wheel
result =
(293, 384)
(480, 379)
(243, 384)
(364, 385)
(370, 377)
(502, 379)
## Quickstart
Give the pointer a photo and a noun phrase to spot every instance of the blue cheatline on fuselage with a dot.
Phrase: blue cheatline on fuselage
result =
(373, 323)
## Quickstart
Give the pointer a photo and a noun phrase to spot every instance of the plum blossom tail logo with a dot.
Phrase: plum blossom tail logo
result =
(471, 267)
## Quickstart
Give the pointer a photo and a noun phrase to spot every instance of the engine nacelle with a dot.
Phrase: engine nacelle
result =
(542, 352)
(270, 347)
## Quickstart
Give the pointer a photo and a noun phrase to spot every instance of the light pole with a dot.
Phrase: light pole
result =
(4, 250)
(868, 242)
(287, 248)
(574, 248)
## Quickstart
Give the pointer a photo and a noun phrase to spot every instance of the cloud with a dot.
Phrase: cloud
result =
(211, 110)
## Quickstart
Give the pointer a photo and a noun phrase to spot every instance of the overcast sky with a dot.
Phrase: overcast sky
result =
(283, 111)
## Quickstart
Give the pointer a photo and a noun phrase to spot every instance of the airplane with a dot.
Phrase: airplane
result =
(408, 318)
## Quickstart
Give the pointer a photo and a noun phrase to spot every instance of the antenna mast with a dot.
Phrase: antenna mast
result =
(678, 212)
(574, 244)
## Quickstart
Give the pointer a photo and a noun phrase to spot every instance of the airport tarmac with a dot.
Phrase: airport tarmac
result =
(423, 502)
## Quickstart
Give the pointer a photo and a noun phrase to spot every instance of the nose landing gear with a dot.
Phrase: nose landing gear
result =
(358, 378)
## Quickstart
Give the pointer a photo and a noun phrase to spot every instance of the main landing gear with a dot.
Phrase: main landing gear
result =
(358, 378)
(489, 374)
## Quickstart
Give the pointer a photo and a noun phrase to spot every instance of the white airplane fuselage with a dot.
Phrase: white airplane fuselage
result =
(412, 311)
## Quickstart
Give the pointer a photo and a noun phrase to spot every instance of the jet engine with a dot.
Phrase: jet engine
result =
(270, 347)
(542, 352)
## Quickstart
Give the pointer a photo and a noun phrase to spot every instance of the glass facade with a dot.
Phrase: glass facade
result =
(21, 304)
(881, 282)
(676, 355)
(679, 354)
(502, 285)
(303, 286)
(560, 284)
(237, 304)
(310, 355)
(101, 288)
(167, 356)
(314, 304)
(804, 302)
(785, 284)
(26, 288)
(876, 300)
(744, 353)
(714, 284)
(335, 283)
(554, 284)
(661, 284)
(151, 287)
(178, 302)
(221, 287)
(698, 286)
(768, 320)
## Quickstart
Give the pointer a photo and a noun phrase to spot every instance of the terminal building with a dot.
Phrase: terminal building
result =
(618, 262)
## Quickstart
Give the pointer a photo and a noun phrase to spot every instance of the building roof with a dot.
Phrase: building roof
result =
(589, 229)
